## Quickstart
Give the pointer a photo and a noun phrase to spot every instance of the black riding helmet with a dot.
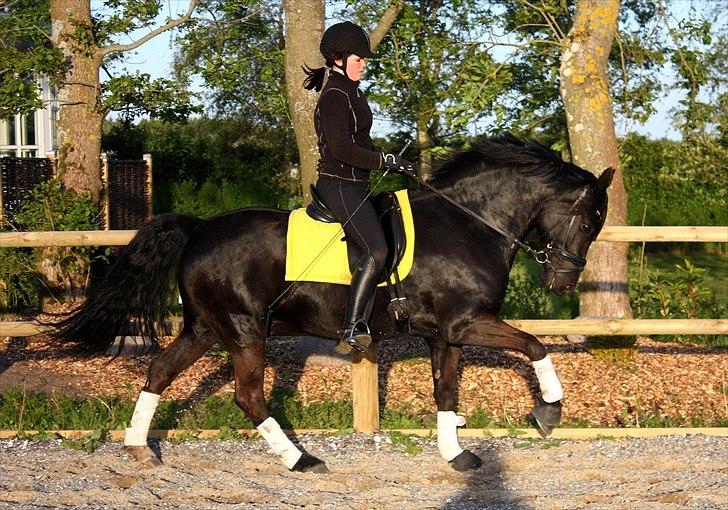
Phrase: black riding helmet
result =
(345, 39)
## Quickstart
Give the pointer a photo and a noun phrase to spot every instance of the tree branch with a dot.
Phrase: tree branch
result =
(385, 22)
(120, 48)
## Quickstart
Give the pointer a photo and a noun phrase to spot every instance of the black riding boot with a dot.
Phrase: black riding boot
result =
(356, 331)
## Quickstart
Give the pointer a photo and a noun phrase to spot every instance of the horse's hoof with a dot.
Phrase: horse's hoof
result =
(466, 461)
(144, 456)
(547, 416)
(310, 464)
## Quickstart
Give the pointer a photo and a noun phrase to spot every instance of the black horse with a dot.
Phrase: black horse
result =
(231, 267)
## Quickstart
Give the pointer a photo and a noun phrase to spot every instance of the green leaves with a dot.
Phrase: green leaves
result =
(137, 95)
(236, 47)
(25, 55)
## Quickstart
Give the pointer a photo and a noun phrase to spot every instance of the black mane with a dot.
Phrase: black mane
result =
(509, 151)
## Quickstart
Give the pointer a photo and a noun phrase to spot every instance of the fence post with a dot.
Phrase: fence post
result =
(2, 205)
(365, 381)
(51, 155)
(105, 179)
(148, 159)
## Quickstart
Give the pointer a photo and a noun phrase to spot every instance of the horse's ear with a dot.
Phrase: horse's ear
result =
(605, 179)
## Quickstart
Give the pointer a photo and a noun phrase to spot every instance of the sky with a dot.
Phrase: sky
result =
(155, 58)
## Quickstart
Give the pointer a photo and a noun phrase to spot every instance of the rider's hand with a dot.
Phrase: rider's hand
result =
(397, 163)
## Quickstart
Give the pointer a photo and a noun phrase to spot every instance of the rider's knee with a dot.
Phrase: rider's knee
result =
(379, 254)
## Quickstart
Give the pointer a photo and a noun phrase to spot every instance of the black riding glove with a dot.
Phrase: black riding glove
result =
(397, 163)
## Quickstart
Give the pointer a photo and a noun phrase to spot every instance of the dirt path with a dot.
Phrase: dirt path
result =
(369, 472)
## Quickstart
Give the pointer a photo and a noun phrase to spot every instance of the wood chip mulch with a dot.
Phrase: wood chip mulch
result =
(683, 383)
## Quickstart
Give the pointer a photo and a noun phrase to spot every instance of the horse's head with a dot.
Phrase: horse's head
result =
(568, 224)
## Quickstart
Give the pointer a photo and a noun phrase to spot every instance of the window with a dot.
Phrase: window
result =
(7, 131)
(18, 136)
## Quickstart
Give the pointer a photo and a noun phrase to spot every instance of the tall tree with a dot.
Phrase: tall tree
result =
(236, 47)
(432, 77)
(83, 42)
(587, 101)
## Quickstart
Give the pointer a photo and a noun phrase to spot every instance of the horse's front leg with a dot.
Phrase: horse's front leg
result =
(445, 360)
(490, 331)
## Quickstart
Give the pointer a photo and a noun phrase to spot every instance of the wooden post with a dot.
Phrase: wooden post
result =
(2, 205)
(51, 155)
(105, 183)
(148, 159)
(365, 381)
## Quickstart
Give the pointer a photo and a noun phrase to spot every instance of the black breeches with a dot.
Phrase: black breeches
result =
(343, 197)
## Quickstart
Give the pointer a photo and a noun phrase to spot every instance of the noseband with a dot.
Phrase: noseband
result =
(545, 255)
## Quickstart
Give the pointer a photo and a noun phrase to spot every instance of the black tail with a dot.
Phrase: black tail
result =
(137, 285)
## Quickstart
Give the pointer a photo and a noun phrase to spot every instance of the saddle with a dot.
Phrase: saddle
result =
(386, 204)
(388, 209)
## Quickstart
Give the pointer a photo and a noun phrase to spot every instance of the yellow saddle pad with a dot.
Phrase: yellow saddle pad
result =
(316, 253)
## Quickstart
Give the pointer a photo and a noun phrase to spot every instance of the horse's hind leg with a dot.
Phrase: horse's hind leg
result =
(490, 331)
(187, 348)
(445, 360)
(249, 365)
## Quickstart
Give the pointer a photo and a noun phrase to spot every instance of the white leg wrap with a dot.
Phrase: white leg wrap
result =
(279, 442)
(136, 434)
(551, 390)
(447, 434)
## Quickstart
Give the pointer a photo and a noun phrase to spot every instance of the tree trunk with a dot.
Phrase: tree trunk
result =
(304, 28)
(81, 116)
(424, 143)
(585, 92)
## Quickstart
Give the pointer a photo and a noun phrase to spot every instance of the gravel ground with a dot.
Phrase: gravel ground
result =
(371, 471)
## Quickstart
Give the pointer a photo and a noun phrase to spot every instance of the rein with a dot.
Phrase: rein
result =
(542, 256)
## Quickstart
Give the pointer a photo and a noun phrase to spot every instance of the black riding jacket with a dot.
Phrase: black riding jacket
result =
(343, 120)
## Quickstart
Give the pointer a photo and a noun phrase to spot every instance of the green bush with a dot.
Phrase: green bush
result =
(527, 298)
(678, 294)
(676, 183)
(246, 158)
(25, 274)
(211, 199)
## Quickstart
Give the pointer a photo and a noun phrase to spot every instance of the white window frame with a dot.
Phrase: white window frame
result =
(18, 148)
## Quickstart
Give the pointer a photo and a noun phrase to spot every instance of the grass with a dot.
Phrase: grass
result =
(22, 411)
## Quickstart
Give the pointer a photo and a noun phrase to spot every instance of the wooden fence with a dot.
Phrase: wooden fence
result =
(364, 374)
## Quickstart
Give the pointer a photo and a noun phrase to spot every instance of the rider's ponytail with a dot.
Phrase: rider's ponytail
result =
(314, 78)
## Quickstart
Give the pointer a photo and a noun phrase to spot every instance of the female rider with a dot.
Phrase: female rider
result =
(346, 156)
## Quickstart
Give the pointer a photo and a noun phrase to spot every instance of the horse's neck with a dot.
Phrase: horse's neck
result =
(504, 200)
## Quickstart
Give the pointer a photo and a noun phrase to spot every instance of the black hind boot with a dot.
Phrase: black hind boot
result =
(356, 332)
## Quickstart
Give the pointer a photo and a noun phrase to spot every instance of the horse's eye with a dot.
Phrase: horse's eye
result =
(584, 228)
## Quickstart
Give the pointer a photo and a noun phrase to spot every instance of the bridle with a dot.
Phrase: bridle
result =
(543, 256)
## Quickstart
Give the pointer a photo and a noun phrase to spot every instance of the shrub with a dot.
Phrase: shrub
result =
(527, 298)
(680, 294)
(24, 273)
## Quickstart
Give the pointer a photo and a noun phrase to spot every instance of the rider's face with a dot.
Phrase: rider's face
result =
(354, 66)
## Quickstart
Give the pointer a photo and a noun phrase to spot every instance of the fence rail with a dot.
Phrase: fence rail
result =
(535, 327)
(122, 237)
